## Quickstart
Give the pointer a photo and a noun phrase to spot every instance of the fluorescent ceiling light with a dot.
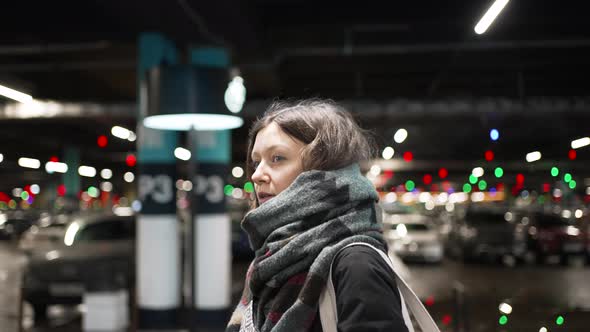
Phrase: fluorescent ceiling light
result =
(106, 174)
(182, 153)
(120, 132)
(129, 177)
(87, 171)
(489, 17)
(533, 156)
(576, 144)
(16, 95)
(29, 163)
(52, 167)
(400, 135)
(477, 172)
(195, 120)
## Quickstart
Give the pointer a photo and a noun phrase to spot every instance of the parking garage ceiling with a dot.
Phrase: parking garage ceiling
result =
(535, 59)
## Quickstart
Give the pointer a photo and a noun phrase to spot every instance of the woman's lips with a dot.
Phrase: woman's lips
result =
(264, 197)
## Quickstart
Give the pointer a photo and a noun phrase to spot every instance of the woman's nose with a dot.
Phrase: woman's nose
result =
(260, 175)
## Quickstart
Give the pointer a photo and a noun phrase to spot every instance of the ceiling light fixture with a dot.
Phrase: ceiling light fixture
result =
(489, 17)
(15, 95)
(201, 108)
(580, 142)
(533, 156)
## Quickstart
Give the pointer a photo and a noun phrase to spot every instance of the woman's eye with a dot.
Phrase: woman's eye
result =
(255, 164)
(277, 158)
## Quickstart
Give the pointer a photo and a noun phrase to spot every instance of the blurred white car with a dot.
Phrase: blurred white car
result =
(413, 237)
(48, 232)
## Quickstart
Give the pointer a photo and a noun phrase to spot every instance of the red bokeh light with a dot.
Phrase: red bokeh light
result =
(489, 155)
(102, 141)
(546, 187)
(429, 301)
(388, 174)
(442, 173)
(61, 190)
(130, 160)
(54, 159)
(427, 179)
(572, 154)
(519, 178)
(4, 197)
(408, 156)
(447, 319)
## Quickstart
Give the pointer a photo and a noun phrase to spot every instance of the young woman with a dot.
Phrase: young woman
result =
(311, 201)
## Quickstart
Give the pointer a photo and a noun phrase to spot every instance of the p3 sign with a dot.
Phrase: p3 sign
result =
(209, 188)
(210, 181)
(159, 188)
(156, 188)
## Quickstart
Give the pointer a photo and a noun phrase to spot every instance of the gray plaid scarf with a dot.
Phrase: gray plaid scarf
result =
(295, 236)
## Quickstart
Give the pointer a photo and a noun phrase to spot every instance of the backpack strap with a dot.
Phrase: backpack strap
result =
(329, 314)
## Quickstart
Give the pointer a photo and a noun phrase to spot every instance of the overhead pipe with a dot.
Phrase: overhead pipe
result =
(32, 49)
(68, 66)
(431, 47)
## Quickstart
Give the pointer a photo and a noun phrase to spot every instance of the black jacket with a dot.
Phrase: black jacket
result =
(367, 297)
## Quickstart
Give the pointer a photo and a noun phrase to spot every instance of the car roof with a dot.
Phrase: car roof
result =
(87, 219)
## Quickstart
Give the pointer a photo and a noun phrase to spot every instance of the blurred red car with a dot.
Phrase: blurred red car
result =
(552, 234)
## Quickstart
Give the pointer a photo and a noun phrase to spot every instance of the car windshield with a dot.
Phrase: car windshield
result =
(115, 229)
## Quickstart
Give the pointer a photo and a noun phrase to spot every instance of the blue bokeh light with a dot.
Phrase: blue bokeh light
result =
(494, 134)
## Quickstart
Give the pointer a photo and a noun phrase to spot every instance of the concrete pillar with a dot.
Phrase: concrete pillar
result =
(158, 249)
(211, 220)
(71, 178)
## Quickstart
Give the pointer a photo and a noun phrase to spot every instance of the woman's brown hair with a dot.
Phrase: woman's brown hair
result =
(331, 136)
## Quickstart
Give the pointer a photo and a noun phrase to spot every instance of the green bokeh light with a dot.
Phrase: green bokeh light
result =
(554, 171)
(228, 189)
(3, 206)
(410, 185)
(467, 188)
(503, 320)
(567, 177)
(24, 195)
(498, 172)
(472, 179)
(249, 187)
(482, 185)
(572, 184)
(93, 191)
(559, 320)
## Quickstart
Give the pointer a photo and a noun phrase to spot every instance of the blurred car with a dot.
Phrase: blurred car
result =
(412, 237)
(552, 234)
(42, 237)
(90, 244)
(47, 232)
(491, 233)
(13, 225)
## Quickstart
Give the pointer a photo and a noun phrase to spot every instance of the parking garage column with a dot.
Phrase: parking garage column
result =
(212, 222)
(158, 253)
(71, 179)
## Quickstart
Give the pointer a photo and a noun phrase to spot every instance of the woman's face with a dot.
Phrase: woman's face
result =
(277, 161)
